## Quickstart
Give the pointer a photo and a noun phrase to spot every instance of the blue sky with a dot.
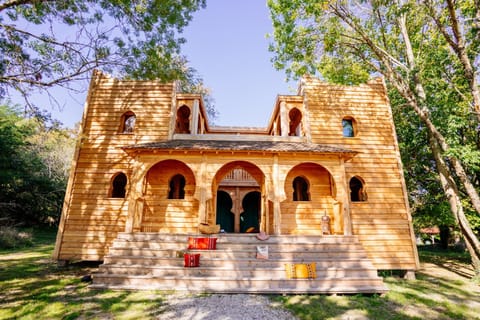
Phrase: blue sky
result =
(227, 45)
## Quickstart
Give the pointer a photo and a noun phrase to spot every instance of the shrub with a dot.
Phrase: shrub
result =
(13, 238)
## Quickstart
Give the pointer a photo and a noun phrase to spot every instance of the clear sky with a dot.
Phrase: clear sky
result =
(227, 45)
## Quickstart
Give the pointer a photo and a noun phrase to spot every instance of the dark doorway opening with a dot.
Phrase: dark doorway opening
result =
(250, 217)
(225, 216)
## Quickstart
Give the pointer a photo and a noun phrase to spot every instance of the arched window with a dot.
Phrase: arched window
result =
(295, 128)
(128, 122)
(349, 127)
(177, 187)
(357, 190)
(183, 120)
(300, 189)
(118, 187)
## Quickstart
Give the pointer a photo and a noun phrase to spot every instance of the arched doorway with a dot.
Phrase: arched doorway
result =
(250, 217)
(238, 179)
(225, 216)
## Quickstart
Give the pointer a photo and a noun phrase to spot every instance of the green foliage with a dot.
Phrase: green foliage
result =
(33, 169)
(347, 41)
(46, 43)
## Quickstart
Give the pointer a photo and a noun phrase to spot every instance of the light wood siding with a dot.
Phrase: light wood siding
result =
(383, 221)
(91, 219)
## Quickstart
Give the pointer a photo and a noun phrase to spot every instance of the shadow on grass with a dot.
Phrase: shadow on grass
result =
(32, 286)
(452, 261)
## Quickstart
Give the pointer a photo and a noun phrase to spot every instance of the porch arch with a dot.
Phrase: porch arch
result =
(161, 211)
(239, 178)
(305, 217)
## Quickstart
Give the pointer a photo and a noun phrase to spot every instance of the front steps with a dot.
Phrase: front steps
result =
(151, 261)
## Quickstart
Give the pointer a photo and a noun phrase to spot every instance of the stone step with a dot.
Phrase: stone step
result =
(153, 261)
(244, 253)
(286, 247)
(253, 290)
(223, 284)
(239, 263)
(234, 238)
(233, 273)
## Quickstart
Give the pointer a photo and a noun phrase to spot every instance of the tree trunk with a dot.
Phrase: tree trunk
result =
(459, 47)
(444, 236)
(451, 191)
(411, 88)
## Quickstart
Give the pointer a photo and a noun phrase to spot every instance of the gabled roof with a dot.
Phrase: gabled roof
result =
(236, 145)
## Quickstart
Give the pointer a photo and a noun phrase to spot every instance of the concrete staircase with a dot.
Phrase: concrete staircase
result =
(151, 261)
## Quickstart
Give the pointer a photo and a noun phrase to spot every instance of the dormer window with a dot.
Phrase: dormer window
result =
(295, 121)
(183, 120)
(127, 124)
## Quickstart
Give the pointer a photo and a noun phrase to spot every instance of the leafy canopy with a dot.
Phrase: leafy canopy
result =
(48, 43)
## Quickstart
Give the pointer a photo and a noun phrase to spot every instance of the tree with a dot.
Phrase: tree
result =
(462, 35)
(34, 163)
(53, 43)
(397, 40)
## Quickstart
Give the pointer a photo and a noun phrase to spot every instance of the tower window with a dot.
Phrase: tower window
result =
(357, 190)
(128, 122)
(349, 127)
(118, 188)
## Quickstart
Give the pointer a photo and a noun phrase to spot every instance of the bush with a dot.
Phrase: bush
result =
(12, 238)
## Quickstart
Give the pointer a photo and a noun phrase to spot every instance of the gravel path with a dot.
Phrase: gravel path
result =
(223, 307)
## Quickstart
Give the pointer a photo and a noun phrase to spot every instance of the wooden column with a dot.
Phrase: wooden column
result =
(347, 221)
(202, 183)
(135, 198)
(194, 117)
(277, 219)
(284, 119)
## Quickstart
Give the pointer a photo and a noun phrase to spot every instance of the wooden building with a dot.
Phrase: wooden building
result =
(148, 162)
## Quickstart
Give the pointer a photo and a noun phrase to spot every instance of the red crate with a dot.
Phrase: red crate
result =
(192, 260)
(202, 243)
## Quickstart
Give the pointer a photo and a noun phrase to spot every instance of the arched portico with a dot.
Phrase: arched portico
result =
(168, 204)
(310, 192)
(239, 179)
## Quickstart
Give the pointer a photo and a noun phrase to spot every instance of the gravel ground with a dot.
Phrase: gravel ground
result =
(223, 307)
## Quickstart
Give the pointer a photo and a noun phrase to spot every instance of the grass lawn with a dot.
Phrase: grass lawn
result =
(33, 287)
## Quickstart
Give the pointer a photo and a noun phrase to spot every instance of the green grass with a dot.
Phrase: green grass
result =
(33, 287)
(447, 293)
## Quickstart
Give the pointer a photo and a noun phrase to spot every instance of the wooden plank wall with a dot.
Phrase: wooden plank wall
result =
(383, 221)
(91, 219)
